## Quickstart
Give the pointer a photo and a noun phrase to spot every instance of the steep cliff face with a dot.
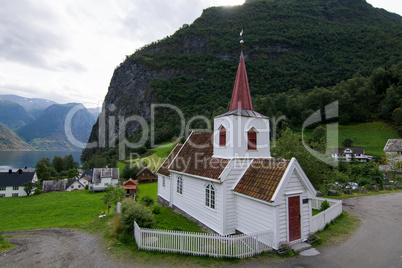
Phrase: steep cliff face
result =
(129, 94)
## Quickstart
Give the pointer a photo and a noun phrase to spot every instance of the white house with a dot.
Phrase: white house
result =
(11, 182)
(76, 184)
(103, 177)
(349, 154)
(227, 180)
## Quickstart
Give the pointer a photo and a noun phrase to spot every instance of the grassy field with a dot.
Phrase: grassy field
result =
(153, 161)
(372, 136)
(63, 209)
(150, 189)
(339, 230)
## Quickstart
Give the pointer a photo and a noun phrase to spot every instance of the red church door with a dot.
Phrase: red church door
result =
(294, 218)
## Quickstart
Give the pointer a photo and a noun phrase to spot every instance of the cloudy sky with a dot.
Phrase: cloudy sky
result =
(66, 50)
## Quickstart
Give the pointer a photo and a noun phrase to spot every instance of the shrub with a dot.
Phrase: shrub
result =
(156, 209)
(37, 191)
(364, 182)
(132, 211)
(147, 200)
(324, 205)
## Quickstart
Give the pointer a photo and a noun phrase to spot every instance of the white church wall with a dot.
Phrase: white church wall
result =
(164, 190)
(192, 201)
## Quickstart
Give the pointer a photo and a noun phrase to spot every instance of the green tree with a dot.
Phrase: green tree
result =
(72, 173)
(29, 187)
(319, 134)
(128, 172)
(69, 162)
(347, 142)
(112, 195)
(58, 164)
(397, 116)
(44, 169)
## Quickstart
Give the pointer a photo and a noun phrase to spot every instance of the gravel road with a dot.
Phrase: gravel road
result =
(55, 248)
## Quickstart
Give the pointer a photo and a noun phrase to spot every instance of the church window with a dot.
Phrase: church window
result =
(210, 196)
(252, 139)
(179, 185)
(222, 137)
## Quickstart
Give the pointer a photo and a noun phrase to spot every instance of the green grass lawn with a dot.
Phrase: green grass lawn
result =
(61, 209)
(150, 189)
(167, 219)
(339, 230)
(372, 136)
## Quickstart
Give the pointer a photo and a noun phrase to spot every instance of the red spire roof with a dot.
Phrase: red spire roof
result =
(241, 98)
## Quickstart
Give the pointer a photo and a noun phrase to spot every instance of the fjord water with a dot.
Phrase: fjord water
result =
(20, 159)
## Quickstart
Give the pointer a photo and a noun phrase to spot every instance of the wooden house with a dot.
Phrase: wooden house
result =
(130, 186)
(145, 175)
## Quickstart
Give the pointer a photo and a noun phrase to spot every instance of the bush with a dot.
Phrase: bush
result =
(37, 191)
(324, 205)
(147, 200)
(364, 182)
(156, 209)
(132, 211)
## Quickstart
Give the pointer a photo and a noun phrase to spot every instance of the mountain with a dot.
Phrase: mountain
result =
(34, 106)
(48, 131)
(291, 47)
(13, 115)
(9, 141)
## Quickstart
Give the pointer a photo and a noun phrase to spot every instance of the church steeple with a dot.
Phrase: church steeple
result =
(241, 98)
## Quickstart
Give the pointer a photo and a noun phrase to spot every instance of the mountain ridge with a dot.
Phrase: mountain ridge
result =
(289, 45)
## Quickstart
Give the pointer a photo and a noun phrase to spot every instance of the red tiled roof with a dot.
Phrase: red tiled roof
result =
(241, 98)
(196, 157)
(262, 178)
(163, 170)
(130, 181)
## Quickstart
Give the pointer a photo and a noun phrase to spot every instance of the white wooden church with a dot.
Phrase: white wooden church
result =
(228, 181)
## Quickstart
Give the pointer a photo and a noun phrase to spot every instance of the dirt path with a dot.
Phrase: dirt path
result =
(55, 248)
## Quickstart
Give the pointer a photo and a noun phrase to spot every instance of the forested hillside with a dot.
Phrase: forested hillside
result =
(300, 56)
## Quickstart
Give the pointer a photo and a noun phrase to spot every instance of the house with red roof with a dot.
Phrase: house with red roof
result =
(227, 180)
(130, 186)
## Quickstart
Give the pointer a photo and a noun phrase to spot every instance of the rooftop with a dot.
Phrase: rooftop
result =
(393, 145)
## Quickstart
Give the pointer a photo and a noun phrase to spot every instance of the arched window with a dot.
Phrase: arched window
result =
(252, 139)
(210, 196)
(179, 185)
(222, 136)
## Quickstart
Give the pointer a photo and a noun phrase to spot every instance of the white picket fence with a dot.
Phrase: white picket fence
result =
(234, 246)
(319, 221)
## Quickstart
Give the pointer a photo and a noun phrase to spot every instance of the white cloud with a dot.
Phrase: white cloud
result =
(66, 50)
